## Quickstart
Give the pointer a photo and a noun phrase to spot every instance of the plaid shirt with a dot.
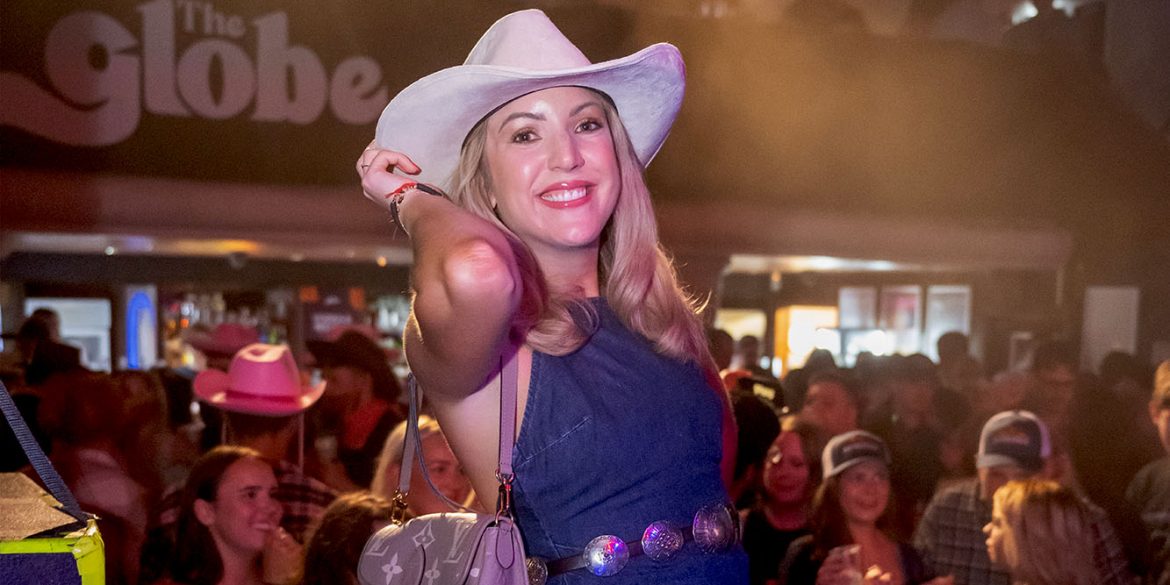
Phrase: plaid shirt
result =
(951, 539)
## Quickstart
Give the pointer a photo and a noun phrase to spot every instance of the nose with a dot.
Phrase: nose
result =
(987, 529)
(566, 153)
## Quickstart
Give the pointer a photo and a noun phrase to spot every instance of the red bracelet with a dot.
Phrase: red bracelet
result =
(403, 188)
(396, 196)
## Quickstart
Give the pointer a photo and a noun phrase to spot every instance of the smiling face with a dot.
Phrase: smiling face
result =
(245, 510)
(554, 174)
(865, 492)
(785, 470)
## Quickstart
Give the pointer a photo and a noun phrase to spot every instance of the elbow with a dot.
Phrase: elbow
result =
(478, 272)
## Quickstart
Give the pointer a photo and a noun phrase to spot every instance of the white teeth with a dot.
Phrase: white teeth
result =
(564, 195)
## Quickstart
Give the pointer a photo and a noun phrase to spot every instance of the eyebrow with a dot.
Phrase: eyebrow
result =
(541, 117)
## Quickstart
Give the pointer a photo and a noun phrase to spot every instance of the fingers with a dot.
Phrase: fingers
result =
(385, 160)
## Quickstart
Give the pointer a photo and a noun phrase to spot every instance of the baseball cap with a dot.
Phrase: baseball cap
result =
(848, 449)
(1014, 437)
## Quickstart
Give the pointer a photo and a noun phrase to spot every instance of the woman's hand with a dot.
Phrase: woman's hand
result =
(282, 559)
(838, 569)
(377, 166)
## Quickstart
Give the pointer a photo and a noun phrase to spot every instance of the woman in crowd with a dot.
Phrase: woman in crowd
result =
(84, 414)
(1042, 534)
(442, 467)
(545, 249)
(792, 472)
(850, 519)
(228, 531)
(331, 556)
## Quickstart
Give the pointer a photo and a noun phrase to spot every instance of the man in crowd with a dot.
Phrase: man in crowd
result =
(1149, 492)
(362, 406)
(832, 405)
(1014, 445)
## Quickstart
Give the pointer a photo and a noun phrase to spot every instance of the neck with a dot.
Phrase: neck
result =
(864, 533)
(570, 270)
(785, 515)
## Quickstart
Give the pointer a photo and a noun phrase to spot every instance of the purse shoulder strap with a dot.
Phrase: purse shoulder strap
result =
(412, 445)
(37, 457)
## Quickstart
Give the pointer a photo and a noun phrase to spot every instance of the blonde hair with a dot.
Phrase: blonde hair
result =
(391, 455)
(636, 274)
(1048, 534)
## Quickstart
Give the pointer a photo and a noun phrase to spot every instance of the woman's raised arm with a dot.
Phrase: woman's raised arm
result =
(465, 280)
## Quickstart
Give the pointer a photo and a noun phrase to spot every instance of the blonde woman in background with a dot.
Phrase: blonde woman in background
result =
(1042, 534)
(442, 466)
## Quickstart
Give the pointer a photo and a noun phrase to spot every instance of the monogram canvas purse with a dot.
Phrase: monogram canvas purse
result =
(461, 548)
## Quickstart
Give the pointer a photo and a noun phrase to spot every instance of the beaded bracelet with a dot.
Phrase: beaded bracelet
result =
(395, 197)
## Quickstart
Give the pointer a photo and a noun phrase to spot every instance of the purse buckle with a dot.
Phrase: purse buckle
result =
(504, 499)
(398, 508)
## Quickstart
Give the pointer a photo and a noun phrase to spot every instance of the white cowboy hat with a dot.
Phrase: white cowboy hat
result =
(262, 379)
(521, 53)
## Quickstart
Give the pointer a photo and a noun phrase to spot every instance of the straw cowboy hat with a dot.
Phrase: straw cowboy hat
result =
(521, 53)
(262, 379)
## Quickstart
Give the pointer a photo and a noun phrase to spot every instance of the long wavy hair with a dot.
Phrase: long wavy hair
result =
(636, 274)
(1048, 534)
(196, 559)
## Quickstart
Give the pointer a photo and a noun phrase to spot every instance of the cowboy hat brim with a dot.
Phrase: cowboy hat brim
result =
(214, 388)
(429, 120)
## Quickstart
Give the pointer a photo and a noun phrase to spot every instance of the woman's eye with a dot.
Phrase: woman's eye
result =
(589, 126)
(524, 136)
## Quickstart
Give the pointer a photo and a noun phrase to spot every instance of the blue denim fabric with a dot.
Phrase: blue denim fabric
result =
(616, 436)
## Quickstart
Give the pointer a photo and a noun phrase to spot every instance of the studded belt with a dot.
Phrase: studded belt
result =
(715, 528)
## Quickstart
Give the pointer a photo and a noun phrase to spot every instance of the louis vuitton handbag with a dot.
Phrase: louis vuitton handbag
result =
(456, 548)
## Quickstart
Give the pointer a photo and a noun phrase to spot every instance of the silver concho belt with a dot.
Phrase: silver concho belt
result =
(715, 528)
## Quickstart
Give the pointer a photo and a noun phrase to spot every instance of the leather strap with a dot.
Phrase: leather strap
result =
(412, 445)
(509, 379)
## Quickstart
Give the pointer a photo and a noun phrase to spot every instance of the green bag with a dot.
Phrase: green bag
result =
(44, 539)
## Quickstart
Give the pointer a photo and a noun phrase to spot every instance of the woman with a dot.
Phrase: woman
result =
(84, 413)
(849, 521)
(792, 471)
(1042, 534)
(335, 546)
(442, 467)
(228, 531)
(546, 248)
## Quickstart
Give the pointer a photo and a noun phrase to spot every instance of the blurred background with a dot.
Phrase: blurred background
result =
(858, 176)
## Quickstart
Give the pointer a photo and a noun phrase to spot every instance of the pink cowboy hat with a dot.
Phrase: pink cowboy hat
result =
(262, 379)
(226, 339)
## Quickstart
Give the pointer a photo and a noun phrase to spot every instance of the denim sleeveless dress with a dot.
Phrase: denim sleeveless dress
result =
(616, 436)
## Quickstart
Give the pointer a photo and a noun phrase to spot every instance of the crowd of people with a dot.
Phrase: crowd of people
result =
(518, 178)
(1010, 497)
(1045, 476)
